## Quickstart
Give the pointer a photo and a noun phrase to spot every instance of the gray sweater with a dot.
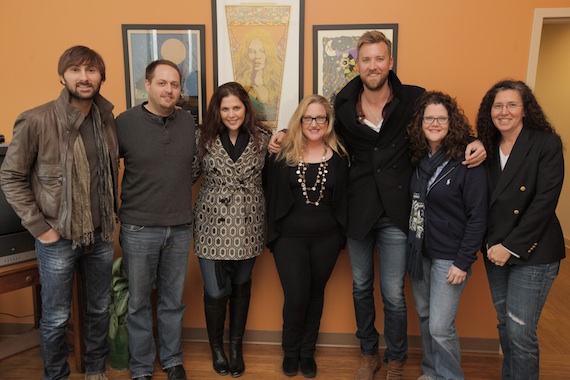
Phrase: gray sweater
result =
(158, 152)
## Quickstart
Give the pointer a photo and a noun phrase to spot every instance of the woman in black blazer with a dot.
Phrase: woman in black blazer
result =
(524, 243)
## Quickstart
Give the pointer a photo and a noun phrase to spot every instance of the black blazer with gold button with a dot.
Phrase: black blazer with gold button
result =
(523, 198)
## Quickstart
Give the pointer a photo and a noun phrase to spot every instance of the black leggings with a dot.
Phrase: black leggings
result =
(304, 266)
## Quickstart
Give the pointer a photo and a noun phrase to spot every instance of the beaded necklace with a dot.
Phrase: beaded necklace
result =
(320, 180)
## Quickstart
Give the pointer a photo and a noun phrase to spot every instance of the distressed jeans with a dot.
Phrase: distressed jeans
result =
(391, 243)
(151, 253)
(519, 293)
(437, 303)
(57, 262)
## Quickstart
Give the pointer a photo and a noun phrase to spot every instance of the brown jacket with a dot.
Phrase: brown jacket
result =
(36, 173)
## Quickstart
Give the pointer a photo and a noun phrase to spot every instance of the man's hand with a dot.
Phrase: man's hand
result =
(50, 236)
(275, 142)
(475, 154)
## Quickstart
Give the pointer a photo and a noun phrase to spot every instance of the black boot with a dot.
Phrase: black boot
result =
(239, 306)
(215, 317)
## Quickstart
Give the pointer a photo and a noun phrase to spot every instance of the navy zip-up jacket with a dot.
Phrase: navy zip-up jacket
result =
(455, 214)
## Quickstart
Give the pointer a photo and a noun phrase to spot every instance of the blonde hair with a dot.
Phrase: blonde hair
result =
(374, 37)
(293, 145)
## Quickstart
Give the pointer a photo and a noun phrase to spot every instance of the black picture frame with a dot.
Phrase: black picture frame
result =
(334, 54)
(182, 44)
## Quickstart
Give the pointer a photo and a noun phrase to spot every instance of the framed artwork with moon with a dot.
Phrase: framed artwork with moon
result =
(181, 44)
(334, 54)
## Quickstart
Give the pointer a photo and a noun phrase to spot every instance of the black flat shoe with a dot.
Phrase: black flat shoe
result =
(290, 365)
(308, 367)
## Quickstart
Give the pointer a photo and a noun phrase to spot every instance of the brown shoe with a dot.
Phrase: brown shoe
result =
(395, 370)
(369, 365)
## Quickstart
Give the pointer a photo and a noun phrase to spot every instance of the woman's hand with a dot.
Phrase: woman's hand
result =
(498, 254)
(475, 154)
(456, 276)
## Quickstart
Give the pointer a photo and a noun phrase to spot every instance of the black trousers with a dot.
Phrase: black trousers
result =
(304, 266)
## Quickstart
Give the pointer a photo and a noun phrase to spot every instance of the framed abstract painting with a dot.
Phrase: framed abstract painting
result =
(181, 44)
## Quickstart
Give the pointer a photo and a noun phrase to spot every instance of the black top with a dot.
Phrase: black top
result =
(309, 220)
(281, 200)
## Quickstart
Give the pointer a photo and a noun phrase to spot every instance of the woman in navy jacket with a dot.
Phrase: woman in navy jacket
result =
(447, 224)
(524, 243)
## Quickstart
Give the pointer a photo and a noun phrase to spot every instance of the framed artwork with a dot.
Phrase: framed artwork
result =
(259, 43)
(181, 44)
(335, 54)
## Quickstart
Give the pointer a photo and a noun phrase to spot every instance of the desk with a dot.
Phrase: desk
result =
(24, 274)
(14, 277)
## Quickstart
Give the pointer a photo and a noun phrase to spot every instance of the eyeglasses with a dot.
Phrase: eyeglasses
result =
(510, 106)
(440, 120)
(307, 120)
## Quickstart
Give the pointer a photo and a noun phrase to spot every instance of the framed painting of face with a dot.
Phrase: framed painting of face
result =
(259, 44)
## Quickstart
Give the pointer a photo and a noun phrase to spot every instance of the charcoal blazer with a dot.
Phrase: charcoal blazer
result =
(523, 198)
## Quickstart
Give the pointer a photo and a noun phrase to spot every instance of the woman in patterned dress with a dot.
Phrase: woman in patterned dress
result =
(229, 225)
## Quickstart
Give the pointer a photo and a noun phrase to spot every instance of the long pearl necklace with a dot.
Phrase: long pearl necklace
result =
(320, 180)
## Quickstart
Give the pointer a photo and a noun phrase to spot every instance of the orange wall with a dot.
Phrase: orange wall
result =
(458, 47)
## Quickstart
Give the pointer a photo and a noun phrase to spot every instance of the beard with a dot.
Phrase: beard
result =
(375, 86)
(75, 94)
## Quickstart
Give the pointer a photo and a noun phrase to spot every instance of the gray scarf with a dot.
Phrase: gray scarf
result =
(81, 219)
(428, 166)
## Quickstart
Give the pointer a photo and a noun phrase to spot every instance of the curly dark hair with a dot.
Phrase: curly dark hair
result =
(213, 125)
(457, 138)
(534, 116)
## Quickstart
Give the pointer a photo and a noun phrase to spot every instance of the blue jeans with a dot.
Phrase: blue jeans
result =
(240, 275)
(437, 303)
(159, 253)
(519, 293)
(56, 264)
(391, 243)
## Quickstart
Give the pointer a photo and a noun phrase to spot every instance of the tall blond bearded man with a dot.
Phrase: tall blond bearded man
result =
(157, 142)
(372, 113)
(59, 175)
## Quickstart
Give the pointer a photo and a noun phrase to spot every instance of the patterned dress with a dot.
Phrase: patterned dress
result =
(229, 216)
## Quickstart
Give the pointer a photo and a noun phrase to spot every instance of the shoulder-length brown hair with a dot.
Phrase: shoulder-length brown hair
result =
(457, 138)
(213, 125)
(294, 143)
